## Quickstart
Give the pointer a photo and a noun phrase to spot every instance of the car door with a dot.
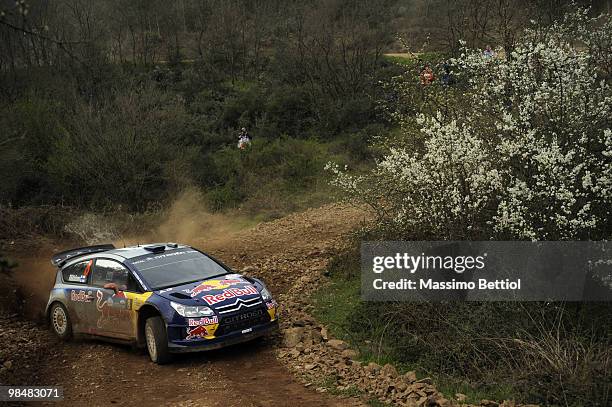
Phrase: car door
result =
(112, 310)
(78, 293)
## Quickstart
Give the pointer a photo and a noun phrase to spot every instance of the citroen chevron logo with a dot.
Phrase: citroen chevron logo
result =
(239, 304)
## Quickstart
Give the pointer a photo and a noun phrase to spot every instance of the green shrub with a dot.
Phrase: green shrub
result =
(282, 167)
(122, 154)
(288, 110)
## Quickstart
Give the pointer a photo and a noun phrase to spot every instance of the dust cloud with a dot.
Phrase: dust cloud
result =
(189, 221)
(34, 277)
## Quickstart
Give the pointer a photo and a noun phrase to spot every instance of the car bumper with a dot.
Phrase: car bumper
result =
(222, 341)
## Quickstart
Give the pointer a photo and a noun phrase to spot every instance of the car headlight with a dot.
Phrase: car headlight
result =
(265, 294)
(191, 312)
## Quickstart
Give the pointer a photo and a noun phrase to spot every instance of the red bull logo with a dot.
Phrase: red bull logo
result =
(199, 332)
(81, 296)
(203, 321)
(212, 299)
(209, 285)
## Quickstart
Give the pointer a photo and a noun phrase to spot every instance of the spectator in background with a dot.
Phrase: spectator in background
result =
(244, 139)
(488, 52)
(427, 75)
(447, 77)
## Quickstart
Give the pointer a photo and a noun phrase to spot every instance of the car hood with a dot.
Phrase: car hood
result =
(214, 292)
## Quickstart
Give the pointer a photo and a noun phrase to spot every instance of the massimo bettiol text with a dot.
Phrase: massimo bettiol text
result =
(486, 271)
(457, 264)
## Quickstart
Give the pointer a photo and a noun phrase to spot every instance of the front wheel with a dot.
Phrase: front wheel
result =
(60, 321)
(157, 340)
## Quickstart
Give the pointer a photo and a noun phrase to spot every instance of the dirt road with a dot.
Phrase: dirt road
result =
(95, 373)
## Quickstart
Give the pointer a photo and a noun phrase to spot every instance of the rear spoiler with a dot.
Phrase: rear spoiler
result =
(59, 259)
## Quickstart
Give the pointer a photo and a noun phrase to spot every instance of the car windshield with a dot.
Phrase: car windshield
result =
(176, 267)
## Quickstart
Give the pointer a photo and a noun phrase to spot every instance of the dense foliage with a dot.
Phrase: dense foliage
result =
(107, 104)
(525, 155)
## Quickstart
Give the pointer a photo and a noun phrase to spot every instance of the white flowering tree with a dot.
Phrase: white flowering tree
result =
(527, 154)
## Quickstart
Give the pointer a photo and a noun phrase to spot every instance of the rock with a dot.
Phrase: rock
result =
(372, 367)
(292, 336)
(316, 336)
(307, 340)
(426, 380)
(430, 389)
(389, 370)
(349, 354)
(410, 377)
(460, 397)
(248, 269)
(419, 386)
(337, 344)
(309, 366)
(8, 364)
(324, 333)
(489, 403)
(439, 401)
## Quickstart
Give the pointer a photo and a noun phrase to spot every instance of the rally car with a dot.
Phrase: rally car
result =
(168, 297)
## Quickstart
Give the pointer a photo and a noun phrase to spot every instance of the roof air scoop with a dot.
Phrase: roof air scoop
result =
(155, 248)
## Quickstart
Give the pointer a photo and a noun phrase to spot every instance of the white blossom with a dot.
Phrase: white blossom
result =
(529, 157)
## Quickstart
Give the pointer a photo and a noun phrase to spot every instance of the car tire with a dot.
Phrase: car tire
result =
(157, 340)
(60, 321)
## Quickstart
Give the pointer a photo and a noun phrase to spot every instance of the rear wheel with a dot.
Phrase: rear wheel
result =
(157, 340)
(60, 321)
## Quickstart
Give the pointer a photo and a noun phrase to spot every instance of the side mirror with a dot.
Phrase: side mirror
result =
(112, 286)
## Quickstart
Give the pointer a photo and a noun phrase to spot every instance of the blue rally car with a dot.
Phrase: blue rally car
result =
(168, 297)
